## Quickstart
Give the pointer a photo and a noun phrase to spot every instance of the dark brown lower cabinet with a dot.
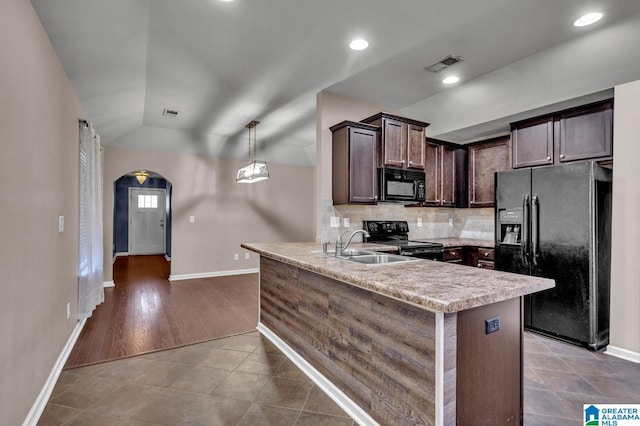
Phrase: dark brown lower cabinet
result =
(470, 256)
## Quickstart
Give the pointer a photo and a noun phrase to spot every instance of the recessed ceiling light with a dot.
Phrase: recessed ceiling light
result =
(359, 44)
(588, 19)
(451, 79)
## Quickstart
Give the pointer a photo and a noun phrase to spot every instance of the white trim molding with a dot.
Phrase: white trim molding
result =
(41, 402)
(213, 274)
(108, 284)
(439, 355)
(347, 404)
(625, 354)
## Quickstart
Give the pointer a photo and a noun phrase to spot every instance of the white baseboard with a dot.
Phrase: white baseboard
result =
(623, 353)
(108, 284)
(347, 404)
(213, 274)
(41, 402)
(119, 254)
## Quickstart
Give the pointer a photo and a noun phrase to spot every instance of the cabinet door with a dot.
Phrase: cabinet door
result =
(395, 142)
(484, 160)
(586, 133)
(363, 187)
(448, 176)
(415, 148)
(533, 143)
(432, 174)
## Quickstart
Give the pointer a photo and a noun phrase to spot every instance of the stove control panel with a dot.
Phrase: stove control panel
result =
(386, 228)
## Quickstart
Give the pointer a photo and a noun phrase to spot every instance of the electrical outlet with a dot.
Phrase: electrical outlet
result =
(236, 256)
(68, 310)
(192, 219)
(492, 325)
(419, 221)
(450, 221)
(247, 256)
(345, 222)
(334, 222)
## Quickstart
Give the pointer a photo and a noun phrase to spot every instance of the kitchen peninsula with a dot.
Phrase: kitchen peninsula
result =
(419, 342)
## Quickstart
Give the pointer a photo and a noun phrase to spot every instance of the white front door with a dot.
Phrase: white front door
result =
(147, 216)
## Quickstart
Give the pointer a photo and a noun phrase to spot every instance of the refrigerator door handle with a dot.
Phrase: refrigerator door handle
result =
(524, 243)
(535, 234)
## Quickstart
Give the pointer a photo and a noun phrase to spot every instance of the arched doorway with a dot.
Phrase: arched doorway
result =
(142, 217)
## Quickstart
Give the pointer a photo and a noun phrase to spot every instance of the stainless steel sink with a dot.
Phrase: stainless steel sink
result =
(376, 258)
(347, 252)
(356, 252)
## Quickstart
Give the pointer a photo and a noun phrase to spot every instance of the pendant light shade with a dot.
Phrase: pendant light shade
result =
(255, 171)
(141, 176)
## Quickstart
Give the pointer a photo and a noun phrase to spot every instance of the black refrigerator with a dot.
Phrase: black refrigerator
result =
(555, 222)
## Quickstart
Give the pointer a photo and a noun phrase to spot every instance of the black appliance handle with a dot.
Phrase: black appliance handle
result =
(524, 241)
(535, 234)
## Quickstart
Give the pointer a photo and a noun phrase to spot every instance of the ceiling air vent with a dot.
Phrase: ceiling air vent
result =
(444, 63)
(170, 113)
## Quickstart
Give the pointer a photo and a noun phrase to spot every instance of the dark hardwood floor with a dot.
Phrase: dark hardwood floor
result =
(144, 312)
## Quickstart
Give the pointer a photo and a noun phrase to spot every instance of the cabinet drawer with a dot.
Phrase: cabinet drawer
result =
(452, 254)
(484, 264)
(486, 254)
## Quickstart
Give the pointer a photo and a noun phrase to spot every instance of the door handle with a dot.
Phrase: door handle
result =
(535, 234)
(524, 241)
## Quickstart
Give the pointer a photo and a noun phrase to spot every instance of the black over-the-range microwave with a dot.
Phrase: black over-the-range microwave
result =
(401, 185)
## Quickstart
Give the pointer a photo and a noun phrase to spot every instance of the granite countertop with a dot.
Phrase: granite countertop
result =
(435, 286)
(460, 242)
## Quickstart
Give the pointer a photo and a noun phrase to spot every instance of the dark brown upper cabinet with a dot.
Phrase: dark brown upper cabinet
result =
(585, 133)
(401, 141)
(354, 163)
(485, 159)
(533, 142)
(575, 134)
(440, 175)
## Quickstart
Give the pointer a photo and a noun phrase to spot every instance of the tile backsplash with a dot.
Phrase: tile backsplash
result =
(437, 222)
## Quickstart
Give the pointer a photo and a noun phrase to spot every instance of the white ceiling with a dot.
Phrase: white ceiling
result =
(223, 64)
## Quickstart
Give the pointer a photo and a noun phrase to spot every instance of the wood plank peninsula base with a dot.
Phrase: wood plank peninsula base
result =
(391, 361)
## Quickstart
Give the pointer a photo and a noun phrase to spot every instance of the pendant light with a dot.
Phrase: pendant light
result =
(141, 176)
(255, 171)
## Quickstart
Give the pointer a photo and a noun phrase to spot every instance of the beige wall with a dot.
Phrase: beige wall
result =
(39, 114)
(625, 275)
(226, 213)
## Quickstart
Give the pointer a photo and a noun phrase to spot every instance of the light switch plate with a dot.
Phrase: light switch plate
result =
(419, 221)
(192, 219)
(247, 256)
(60, 223)
(334, 222)
(345, 222)
(450, 221)
(236, 256)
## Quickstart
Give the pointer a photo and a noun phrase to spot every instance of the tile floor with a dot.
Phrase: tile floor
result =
(245, 380)
(559, 378)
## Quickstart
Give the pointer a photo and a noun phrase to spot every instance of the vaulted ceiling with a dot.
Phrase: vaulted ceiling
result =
(221, 64)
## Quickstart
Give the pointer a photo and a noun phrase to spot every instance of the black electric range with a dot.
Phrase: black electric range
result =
(396, 232)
